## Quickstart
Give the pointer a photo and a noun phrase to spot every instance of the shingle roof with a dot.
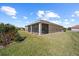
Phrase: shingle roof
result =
(75, 27)
(43, 21)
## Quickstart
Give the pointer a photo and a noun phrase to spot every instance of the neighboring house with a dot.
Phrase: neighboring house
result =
(43, 27)
(75, 28)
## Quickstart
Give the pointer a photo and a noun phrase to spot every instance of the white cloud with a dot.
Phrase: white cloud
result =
(69, 20)
(66, 20)
(72, 20)
(66, 23)
(47, 14)
(18, 21)
(9, 11)
(52, 14)
(73, 15)
(76, 14)
(57, 22)
(14, 17)
(40, 13)
(25, 17)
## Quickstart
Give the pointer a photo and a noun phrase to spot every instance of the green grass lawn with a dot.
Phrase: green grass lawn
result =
(59, 44)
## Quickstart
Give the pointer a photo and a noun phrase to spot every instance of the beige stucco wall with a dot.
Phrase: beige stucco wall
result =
(51, 28)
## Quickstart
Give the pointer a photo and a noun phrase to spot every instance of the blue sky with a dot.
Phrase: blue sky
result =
(21, 14)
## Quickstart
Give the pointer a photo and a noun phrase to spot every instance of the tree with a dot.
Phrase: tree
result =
(64, 29)
(69, 28)
(8, 33)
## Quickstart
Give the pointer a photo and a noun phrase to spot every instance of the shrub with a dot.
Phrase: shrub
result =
(64, 29)
(9, 33)
(18, 38)
(69, 28)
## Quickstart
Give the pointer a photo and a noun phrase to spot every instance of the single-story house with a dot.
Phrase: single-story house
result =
(75, 28)
(43, 27)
